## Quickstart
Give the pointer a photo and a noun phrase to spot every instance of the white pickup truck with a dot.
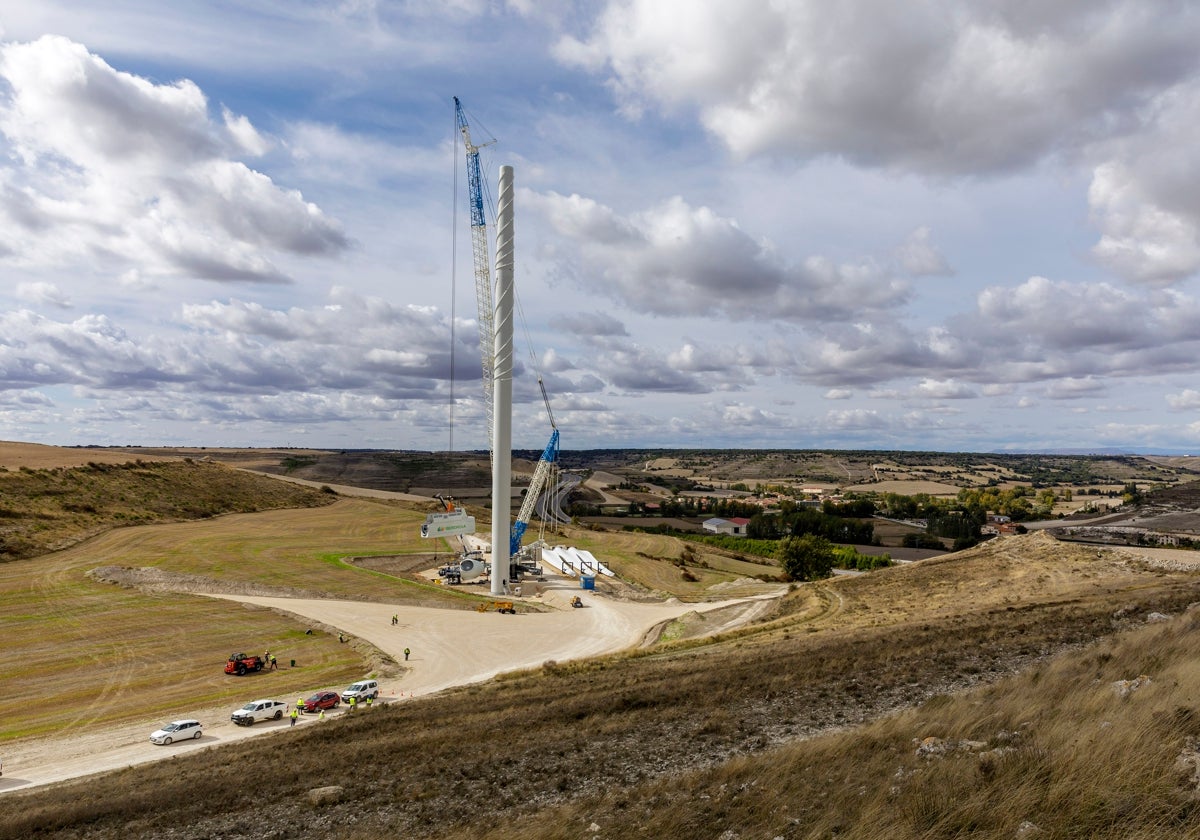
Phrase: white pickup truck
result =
(257, 710)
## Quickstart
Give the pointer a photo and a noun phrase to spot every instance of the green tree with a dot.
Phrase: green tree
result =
(807, 557)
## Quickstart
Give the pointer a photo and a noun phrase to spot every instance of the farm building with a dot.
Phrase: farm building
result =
(735, 526)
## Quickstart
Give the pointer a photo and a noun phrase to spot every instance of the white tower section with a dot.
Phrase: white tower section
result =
(502, 369)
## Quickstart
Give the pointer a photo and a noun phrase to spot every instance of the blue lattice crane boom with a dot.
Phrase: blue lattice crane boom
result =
(482, 262)
(537, 484)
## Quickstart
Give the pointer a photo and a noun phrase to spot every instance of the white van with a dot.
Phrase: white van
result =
(361, 690)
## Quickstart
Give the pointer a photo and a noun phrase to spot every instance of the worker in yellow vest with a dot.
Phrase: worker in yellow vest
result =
(295, 714)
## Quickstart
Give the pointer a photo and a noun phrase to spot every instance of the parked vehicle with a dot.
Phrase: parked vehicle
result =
(321, 700)
(361, 690)
(257, 710)
(176, 730)
(240, 663)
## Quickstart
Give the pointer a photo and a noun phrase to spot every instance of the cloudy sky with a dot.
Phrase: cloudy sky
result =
(740, 223)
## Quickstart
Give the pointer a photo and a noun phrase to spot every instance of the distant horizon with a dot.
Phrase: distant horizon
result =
(1063, 452)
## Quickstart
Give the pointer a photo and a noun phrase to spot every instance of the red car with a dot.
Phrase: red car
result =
(321, 700)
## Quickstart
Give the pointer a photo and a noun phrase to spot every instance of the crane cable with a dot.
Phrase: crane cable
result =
(453, 277)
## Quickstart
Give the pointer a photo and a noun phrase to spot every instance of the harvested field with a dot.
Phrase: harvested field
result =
(35, 456)
(97, 645)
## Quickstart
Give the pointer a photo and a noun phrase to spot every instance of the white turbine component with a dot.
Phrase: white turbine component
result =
(470, 568)
(449, 524)
(502, 365)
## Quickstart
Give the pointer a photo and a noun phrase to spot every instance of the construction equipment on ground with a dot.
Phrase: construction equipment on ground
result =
(241, 663)
(498, 606)
(576, 601)
(469, 566)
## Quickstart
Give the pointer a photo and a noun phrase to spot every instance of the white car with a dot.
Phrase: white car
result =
(176, 730)
(361, 690)
(257, 710)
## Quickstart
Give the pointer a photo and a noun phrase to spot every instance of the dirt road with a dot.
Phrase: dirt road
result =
(449, 648)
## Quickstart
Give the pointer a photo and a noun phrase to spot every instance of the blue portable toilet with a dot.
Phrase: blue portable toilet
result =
(587, 581)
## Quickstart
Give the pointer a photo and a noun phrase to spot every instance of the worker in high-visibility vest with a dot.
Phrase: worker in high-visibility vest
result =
(295, 714)
(300, 705)
(353, 703)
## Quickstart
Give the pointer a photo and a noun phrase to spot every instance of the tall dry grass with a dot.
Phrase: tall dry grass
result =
(1064, 750)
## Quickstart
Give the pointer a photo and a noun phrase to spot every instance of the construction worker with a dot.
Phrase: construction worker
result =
(274, 664)
(369, 699)
(353, 703)
(295, 714)
(406, 653)
(395, 619)
(322, 715)
(300, 705)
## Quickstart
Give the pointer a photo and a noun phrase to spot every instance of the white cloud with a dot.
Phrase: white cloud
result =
(1186, 400)
(919, 257)
(112, 169)
(41, 292)
(365, 346)
(1143, 240)
(1070, 388)
(675, 259)
(943, 389)
(931, 86)
(854, 419)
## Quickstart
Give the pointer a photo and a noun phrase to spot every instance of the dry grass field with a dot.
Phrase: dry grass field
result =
(1024, 688)
(111, 653)
(665, 564)
(107, 653)
(14, 455)
(806, 724)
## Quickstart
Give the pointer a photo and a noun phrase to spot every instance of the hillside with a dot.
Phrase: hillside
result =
(49, 508)
(429, 472)
(761, 732)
